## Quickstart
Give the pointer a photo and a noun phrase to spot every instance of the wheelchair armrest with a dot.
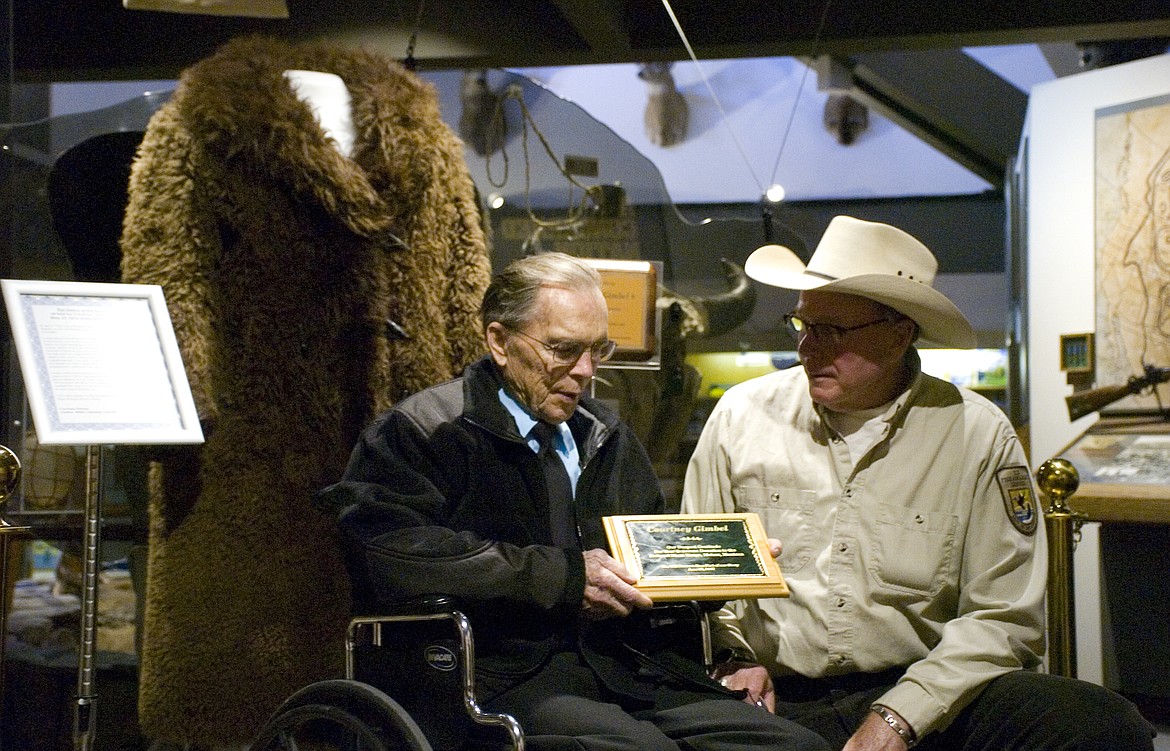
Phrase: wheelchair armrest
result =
(428, 604)
(416, 651)
(685, 628)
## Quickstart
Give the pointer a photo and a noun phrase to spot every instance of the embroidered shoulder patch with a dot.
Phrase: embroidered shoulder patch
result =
(1015, 485)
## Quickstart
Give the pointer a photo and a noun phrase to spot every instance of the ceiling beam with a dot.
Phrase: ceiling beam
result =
(599, 23)
(947, 99)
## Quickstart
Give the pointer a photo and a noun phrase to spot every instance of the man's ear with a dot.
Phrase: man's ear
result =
(496, 336)
(909, 330)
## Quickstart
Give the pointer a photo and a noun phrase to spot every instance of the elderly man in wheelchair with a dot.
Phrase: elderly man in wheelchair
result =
(490, 490)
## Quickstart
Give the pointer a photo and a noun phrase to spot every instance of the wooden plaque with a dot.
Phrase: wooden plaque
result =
(696, 557)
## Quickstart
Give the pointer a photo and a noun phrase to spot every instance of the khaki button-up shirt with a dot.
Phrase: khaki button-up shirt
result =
(929, 553)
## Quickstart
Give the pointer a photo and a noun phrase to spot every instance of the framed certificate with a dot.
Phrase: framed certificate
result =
(696, 557)
(100, 363)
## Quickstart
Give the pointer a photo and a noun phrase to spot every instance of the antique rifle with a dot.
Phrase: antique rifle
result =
(1091, 400)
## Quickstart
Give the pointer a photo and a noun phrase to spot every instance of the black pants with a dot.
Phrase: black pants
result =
(566, 708)
(1019, 711)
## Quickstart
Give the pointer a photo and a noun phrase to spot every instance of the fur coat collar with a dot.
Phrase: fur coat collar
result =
(239, 106)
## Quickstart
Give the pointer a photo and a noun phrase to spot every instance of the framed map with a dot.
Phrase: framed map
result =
(1132, 196)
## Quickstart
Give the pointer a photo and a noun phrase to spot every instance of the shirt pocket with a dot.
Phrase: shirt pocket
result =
(786, 514)
(913, 550)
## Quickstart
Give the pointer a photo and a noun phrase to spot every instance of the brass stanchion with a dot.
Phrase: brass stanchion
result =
(9, 482)
(1058, 479)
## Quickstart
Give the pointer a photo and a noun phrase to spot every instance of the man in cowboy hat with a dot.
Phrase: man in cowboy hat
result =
(910, 529)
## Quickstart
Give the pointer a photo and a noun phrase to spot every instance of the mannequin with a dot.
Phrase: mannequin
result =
(239, 195)
(328, 99)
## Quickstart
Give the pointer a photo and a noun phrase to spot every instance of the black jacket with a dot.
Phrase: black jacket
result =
(443, 495)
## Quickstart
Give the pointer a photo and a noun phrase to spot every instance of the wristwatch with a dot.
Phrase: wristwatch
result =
(905, 732)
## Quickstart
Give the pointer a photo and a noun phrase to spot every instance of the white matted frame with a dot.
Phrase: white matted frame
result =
(101, 364)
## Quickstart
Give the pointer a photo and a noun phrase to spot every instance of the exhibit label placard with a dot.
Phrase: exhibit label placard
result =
(696, 557)
(630, 289)
(100, 363)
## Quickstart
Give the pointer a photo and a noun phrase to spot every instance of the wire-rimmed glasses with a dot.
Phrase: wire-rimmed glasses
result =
(569, 352)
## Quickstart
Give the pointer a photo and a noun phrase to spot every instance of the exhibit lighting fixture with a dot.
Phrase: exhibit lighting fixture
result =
(248, 8)
(774, 193)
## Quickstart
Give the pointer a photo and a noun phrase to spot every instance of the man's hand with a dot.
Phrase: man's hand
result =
(875, 735)
(609, 588)
(747, 676)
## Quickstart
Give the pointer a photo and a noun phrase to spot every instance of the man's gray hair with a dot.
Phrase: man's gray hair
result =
(511, 296)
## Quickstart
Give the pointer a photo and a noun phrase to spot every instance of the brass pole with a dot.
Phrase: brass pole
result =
(1058, 479)
(9, 482)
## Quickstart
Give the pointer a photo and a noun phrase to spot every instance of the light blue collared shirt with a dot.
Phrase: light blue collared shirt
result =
(566, 445)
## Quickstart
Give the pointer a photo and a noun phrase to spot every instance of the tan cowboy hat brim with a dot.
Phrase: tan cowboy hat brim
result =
(938, 319)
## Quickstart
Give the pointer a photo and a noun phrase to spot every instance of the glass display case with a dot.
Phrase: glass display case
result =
(63, 186)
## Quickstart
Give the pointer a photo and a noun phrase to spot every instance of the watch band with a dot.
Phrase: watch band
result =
(734, 654)
(904, 732)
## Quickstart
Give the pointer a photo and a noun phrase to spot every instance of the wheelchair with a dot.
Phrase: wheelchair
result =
(410, 684)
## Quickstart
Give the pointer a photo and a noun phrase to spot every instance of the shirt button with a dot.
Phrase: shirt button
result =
(841, 603)
(843, 547)
(841, 659)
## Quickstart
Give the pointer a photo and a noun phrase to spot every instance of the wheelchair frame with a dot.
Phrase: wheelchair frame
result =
(369, 719)
(467, 664)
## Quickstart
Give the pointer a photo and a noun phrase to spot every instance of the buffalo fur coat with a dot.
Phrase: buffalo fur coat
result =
(288, 270)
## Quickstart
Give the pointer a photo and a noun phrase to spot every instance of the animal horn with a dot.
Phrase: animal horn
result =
(726, 310)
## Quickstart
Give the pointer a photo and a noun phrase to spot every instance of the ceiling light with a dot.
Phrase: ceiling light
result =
(775, 193)
(250, 8)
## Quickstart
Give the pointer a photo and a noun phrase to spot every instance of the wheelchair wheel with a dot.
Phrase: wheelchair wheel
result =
(340, 715)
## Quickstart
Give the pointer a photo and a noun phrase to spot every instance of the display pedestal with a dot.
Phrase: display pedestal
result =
(39, 701)
(1123, 465)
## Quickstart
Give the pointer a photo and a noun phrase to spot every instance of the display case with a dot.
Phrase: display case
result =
(63, 181)
(1124, 468)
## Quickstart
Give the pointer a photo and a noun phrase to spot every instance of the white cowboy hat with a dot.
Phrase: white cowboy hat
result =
(875, 261)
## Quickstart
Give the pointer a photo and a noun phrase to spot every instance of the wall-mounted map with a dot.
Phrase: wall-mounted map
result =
(1133, 245)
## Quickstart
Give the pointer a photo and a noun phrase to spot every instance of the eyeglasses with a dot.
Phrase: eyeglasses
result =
(826, 332)
(568, 353)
